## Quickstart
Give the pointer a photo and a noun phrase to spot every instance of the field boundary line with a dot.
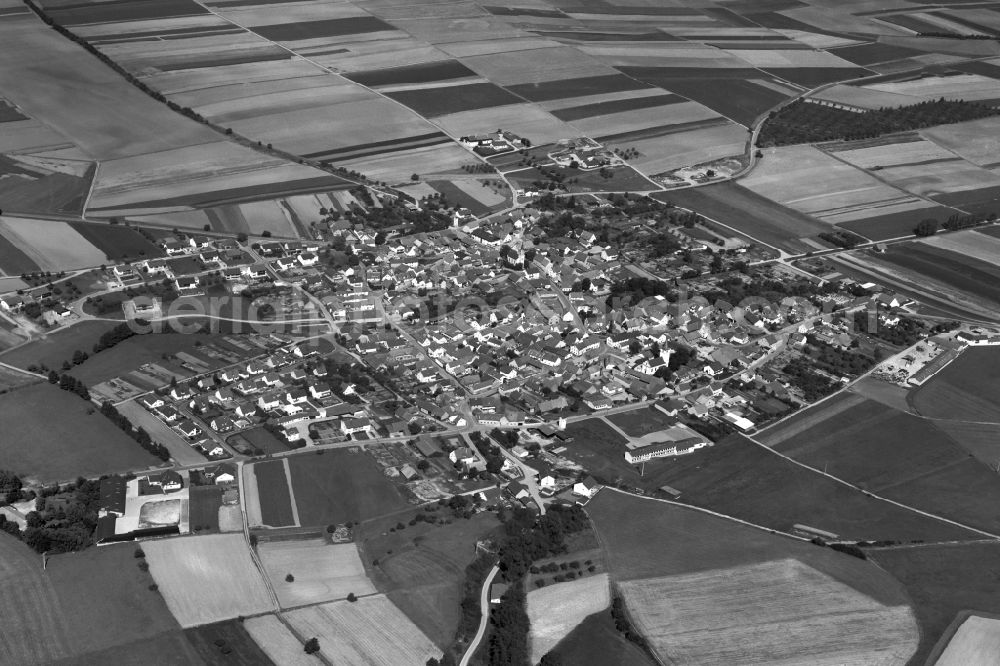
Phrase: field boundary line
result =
(294, 632)
(90, 190)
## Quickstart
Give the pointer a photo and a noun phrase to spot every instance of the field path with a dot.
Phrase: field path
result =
(291, 492)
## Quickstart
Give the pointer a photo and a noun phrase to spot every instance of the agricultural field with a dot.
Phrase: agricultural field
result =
(369, 631)
(556, 610)
(11, 378)
(204, 503)
(117, 242)
(780, 494)
(977, 641)
(965, 390)
(781, 610)
(684, 574)
(337, 486)
(73, 601)
(51, 350)
(226, 643)
(597, 640)
(322, 572)
(274, 493)
(422, 567)
(52, 246)
(261, 439)
(208, 578)
(35, 184)
(935, 275)
(278, 642)
(750, 213)
(944, 581)
(151, 157)
(80, 442)
(896, 455)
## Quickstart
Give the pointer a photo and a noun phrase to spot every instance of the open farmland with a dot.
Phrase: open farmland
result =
(118, 242)
(337, 486)
(976, 643)
(684, 574)
(278, 642)
(977, 141)
(944, 581)
(322, 572)
(369, 631)
(555, 610)
(746, 211)
(73, 602)
(767, 613)
(597, 640)
(226, 643)
(53, 246)
(274, 493)
(896, 455)
(51, 350)
(208, 578)
(32, 184)
(965, 390)
(76, 443)
(780, 494)
(422, 567)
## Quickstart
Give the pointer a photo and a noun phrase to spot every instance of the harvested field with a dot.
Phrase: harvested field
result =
(370, 631)
(208, 578)
(77, 443)
(30, 184)
(337, 486)
(525, 120)
(397, 167)
(979, 246)
(424, 572)
(774, 612)
(740, 100)
(278, 642)
(322, 572)
(275, 495)
(748, 212)
(237, 646)
(943, 581)
(555, 610)
(53, 246)
(976, 643)
(597, 640)
(883, 226)
(73, 602)
(687, 146)
(466, 194)
(13, 260)
(576, 87)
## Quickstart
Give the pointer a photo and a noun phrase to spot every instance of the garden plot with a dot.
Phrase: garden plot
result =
(370, 631)
(555, 610)
(208, 579)
(54, 246)
(779, 611)
(322, 572)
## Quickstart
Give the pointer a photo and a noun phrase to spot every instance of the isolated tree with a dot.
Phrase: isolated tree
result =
(415, 177)
(289, 578)
(926, 227)
(312, 646)
(352, 597)
(241, 237)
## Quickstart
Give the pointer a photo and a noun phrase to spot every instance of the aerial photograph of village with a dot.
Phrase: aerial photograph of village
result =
(500, 332)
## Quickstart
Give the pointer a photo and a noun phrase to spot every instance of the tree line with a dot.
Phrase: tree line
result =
(808, 122)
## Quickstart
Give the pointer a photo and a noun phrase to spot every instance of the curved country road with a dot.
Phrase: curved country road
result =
(484, 607)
